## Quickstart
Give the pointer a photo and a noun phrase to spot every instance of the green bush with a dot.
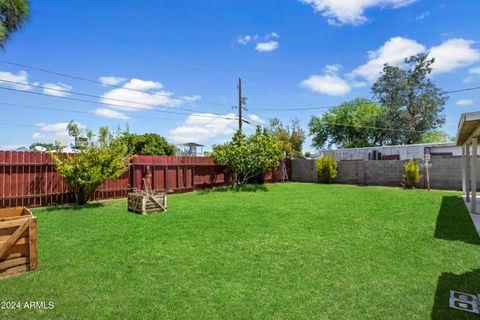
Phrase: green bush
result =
(247, 157)
(327, 168)
(101, 157)
(412, 176)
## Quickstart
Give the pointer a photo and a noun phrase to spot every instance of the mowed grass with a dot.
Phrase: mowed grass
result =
(283, 251)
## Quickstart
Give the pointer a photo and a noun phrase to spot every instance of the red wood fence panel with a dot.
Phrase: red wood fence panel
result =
(29, 179)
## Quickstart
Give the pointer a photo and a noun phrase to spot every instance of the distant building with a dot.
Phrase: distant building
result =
(190, 149)
(400, 152)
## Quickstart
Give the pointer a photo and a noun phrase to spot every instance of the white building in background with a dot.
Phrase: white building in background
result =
(401, 152)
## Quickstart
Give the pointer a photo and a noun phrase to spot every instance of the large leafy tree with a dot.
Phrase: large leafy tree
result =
(436, 136)
(13, 13)
(353, 124)
(247, 157)
(101, 156)
(291, 137)
(148, 144)
(414, 104)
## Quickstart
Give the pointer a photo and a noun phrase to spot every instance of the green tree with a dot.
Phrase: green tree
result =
(247, 157)
(353, 124)
(435, 137)
(101, 156)
(414, 104)
(13, 13)
(148, 144)
(291, 137)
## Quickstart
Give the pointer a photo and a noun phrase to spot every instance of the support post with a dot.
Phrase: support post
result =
(467, 172)
(464, 172)
(240, 100)
(473, 169)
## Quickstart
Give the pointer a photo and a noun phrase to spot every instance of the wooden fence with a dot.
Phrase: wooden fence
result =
(29, 179)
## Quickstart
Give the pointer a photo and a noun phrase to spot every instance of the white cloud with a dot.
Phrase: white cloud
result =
(339, 12)
(465, 102)
(144, 95)
(449, 55)
(256, 119)
(57, 89)
(244, 40)
(475, 70)
(422, 16)
(263, 43)
(393, 52)
(474, 75)
(109, 113)
(54, 131)
(38, 135)
(452, 54)
(332, 68)
(111, 81)
(21, 77)
(469, 79)
(201, 127)
(329, 83)
(267, 46)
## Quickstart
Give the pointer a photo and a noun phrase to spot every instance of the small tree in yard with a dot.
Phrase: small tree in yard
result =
(247, 157)
(412, 176)
(100, 157)
(327, 168)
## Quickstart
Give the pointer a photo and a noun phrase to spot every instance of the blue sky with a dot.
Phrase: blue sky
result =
(185, 57)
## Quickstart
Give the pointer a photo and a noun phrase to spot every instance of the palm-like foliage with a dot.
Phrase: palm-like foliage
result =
(13, 13)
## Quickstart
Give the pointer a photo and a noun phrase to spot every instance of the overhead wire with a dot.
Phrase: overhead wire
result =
(67, 92)
(111, 104)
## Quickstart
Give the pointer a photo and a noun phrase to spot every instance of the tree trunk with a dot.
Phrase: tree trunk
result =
(82, 196)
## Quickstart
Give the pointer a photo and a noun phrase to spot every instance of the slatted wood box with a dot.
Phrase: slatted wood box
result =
(147, 203)
(18, 241)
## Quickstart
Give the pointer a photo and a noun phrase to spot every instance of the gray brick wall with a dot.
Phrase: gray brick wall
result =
(445, 173)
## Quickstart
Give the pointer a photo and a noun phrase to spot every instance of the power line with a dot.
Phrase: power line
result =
(71, 111)
(334, 106)
(65, 75)
(92, 95)
(463, 90)
(115, 105)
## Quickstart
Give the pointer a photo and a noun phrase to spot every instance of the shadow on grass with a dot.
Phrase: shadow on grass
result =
(468, 282)
(245, 188)
(74, 207)
(454, 222)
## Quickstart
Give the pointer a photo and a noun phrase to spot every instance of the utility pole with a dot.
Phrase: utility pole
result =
(240, 100)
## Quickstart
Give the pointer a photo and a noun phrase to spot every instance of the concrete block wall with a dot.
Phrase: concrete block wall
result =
(445, 173)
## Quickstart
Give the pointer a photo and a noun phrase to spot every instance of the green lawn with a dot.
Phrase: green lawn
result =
(284, 251)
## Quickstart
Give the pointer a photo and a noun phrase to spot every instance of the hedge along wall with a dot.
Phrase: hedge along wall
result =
(445, 173)
(29, 179)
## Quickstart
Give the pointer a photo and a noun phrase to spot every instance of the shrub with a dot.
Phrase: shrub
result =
(412, 176)
(248, 157)
(327, 168)
(99, 158)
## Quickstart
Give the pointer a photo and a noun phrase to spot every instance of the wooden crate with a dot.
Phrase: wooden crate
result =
(144, 204)
(18, 241)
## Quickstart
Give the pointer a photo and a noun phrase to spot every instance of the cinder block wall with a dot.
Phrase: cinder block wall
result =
(445, 173)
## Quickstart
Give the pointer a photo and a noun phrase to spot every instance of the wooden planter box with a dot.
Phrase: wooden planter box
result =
(145, 204)
(18, 241)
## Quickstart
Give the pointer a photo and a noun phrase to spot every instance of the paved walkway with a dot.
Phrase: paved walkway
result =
(475, 217)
